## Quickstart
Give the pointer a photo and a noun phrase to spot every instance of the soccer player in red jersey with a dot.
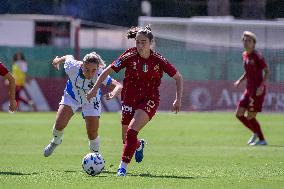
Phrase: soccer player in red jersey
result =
(12, 87)
(140, 93)
(253, 97)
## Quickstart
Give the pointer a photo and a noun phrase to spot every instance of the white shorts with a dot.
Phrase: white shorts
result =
(88, 109)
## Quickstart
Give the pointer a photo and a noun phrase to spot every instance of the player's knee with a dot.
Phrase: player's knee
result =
(92, 135)
(238, 115)
(250, 117)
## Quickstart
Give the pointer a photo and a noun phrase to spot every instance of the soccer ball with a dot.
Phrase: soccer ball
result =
(93, 163)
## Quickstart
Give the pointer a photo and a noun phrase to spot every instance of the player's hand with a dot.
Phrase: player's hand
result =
(91, 94)
(13, 105)
(237, 83)
(176, 106)
(109, 96)
(55, 63)
(259, 90)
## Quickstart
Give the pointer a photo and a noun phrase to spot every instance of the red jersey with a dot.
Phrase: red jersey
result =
(254, 64)
(3, 70)
(142, 76)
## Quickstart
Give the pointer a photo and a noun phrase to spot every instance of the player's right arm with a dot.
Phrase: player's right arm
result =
(240, 80)
(93, 92)
(57, 61)
(116, 66)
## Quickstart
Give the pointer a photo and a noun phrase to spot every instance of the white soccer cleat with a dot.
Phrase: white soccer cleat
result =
(48, 150)
(252, 139)
(259, 143)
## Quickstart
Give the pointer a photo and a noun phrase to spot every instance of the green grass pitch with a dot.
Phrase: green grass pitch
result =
(187, 150)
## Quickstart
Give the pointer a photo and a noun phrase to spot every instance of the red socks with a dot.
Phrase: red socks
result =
(252, 125)
(247, 123)
(257, 128)
(131, 144)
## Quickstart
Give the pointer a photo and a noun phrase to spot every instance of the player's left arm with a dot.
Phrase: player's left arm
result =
(116, 88)
(179, 89)
(265, 69)
(260, 89)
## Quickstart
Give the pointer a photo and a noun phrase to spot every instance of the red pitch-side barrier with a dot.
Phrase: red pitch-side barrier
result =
(197, 96)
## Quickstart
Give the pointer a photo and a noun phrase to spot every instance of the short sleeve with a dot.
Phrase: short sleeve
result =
(262, 62)
(71, 65)
(167, 67)
(3, 70)
(122, 61)
(118, 65)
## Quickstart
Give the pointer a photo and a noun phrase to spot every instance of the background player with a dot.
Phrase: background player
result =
(12, 87)
(19, 71)
(140, 94)
(82, 76)
(253, 97)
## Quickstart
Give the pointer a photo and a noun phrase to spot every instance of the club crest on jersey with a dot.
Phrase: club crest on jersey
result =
(117, 63)
(145, 67)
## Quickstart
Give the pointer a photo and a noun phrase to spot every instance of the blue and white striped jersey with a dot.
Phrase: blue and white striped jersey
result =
(77, 85)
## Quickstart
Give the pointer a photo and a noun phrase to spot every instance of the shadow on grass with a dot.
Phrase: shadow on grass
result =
(16, 173)
(278, 146)
(155, 176)
(69, 171)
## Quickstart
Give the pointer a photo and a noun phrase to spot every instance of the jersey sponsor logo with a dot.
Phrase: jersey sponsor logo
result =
(117, 63)
(126, 108)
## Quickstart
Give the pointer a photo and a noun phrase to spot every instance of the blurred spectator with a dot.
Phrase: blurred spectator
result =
(19, 71)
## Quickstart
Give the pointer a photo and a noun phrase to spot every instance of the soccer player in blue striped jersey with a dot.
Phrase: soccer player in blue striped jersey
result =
(82, 76)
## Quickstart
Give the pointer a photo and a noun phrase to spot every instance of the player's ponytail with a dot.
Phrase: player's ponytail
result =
(146, 31)
(131, 33)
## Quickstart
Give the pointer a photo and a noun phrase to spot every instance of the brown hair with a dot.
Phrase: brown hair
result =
(146, 31)
(21, 55)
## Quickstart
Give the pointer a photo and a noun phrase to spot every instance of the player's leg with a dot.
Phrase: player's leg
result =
(256, 125)
(91, 113)
(255, 106)
(240, 114)
(124, 129)
(92, 126)
(63, 116)
(139, 120)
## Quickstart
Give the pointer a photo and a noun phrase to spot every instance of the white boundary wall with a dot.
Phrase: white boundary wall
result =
(216, 31)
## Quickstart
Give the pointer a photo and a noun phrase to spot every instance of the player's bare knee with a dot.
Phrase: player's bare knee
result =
(250, 117)
(92, 135)
(238, 115)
